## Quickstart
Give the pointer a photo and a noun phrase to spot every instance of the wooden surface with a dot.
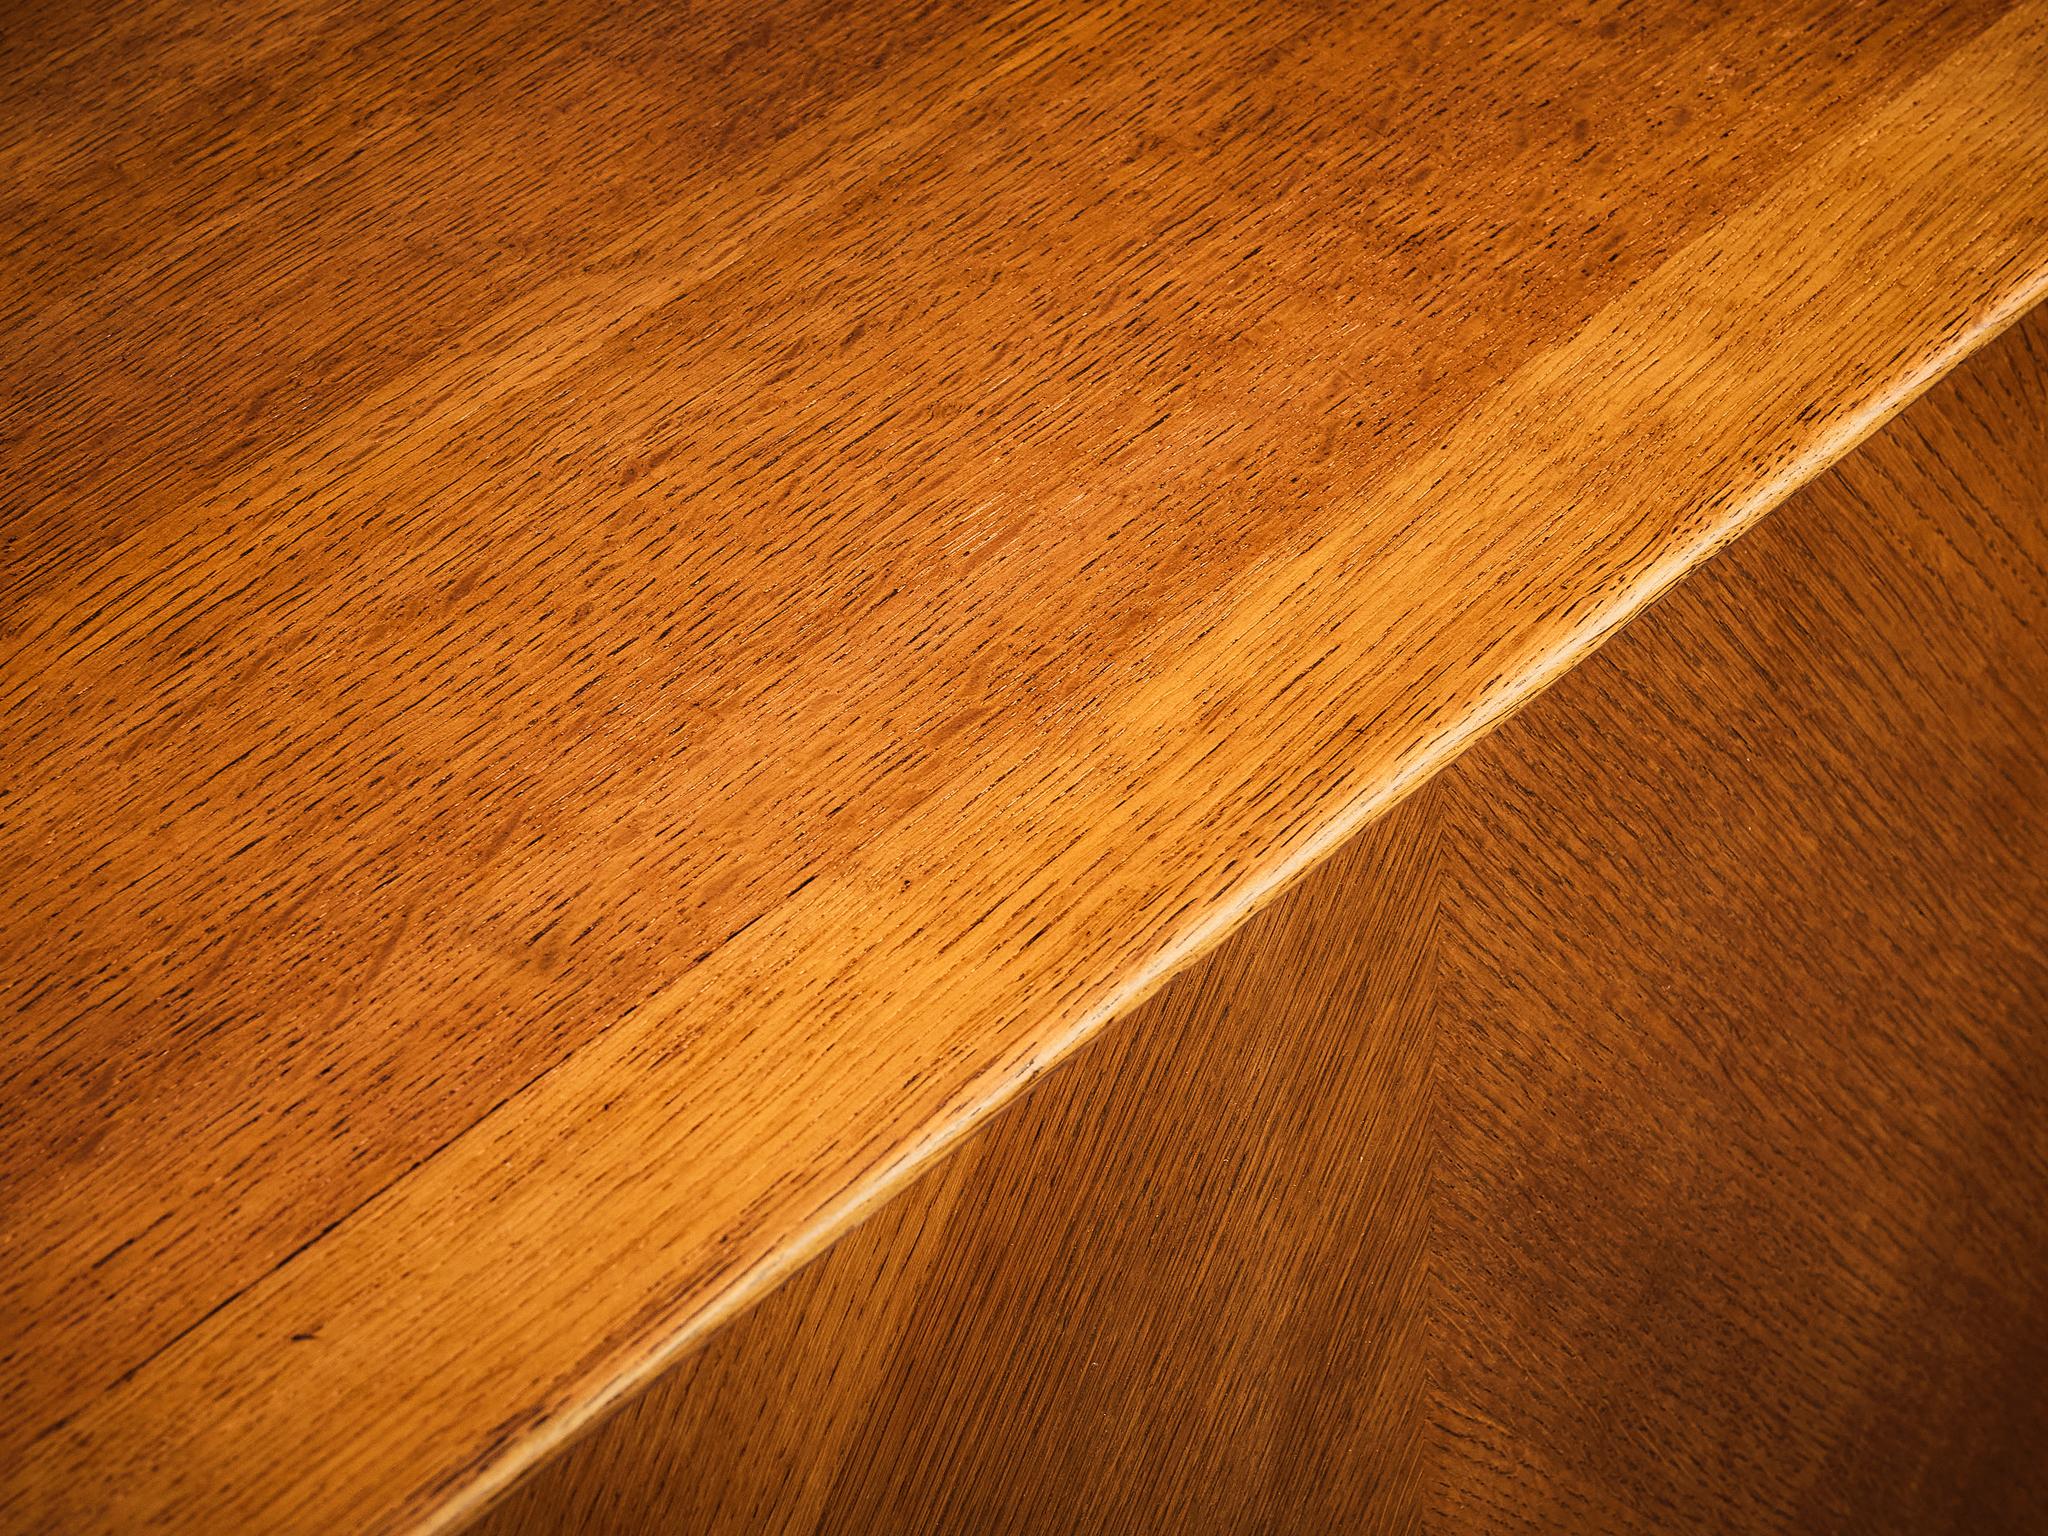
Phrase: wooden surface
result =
(617, 624)
(1642, 1128)
(1170, 1290)
(1741, 1222)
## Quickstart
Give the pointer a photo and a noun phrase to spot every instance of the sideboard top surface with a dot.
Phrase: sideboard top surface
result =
(617, 621)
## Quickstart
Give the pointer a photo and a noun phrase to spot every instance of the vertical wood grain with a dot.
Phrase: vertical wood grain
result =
(1665, 1086)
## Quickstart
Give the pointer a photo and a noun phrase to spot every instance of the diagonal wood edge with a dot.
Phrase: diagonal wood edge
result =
(1602, 473)
(1687, 1013)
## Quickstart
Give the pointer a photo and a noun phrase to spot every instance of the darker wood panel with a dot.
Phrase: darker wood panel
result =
(1742, 1223)
(1174, 1288)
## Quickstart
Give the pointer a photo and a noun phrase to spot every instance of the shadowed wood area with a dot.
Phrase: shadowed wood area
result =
(1742, 1037)
(618, 622)
(1642, 1128)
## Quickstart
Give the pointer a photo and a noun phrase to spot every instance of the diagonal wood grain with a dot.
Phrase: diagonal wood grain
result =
(1225, 1189)
(569, 722)
(1742, 1221)
(1664, 1085)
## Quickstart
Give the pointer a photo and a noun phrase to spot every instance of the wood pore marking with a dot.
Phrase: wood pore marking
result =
(500, 874)
(1690, 1030)
(1175, 1287)
(1742, 1219)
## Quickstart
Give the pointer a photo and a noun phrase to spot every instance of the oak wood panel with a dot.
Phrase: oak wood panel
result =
(512, 847)
(1061, 1327)
(1666, 1084)
(1742, 1218)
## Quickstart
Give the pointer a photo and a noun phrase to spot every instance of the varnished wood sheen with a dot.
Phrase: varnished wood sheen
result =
(619, 621)
(1644, 1128)
(1741, 1049)
(1171, 1290)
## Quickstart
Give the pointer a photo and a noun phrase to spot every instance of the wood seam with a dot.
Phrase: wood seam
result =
(1486, 712)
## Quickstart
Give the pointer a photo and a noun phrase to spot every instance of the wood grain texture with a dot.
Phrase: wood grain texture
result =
(616, 627)
(1665, 1086)
(1169, 1290)
(1742, 1220)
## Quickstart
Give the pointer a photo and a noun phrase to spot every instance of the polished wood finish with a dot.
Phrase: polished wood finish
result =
(1643, 1128)
(618, 625)
(1173, 1289)
(1741, 1222)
